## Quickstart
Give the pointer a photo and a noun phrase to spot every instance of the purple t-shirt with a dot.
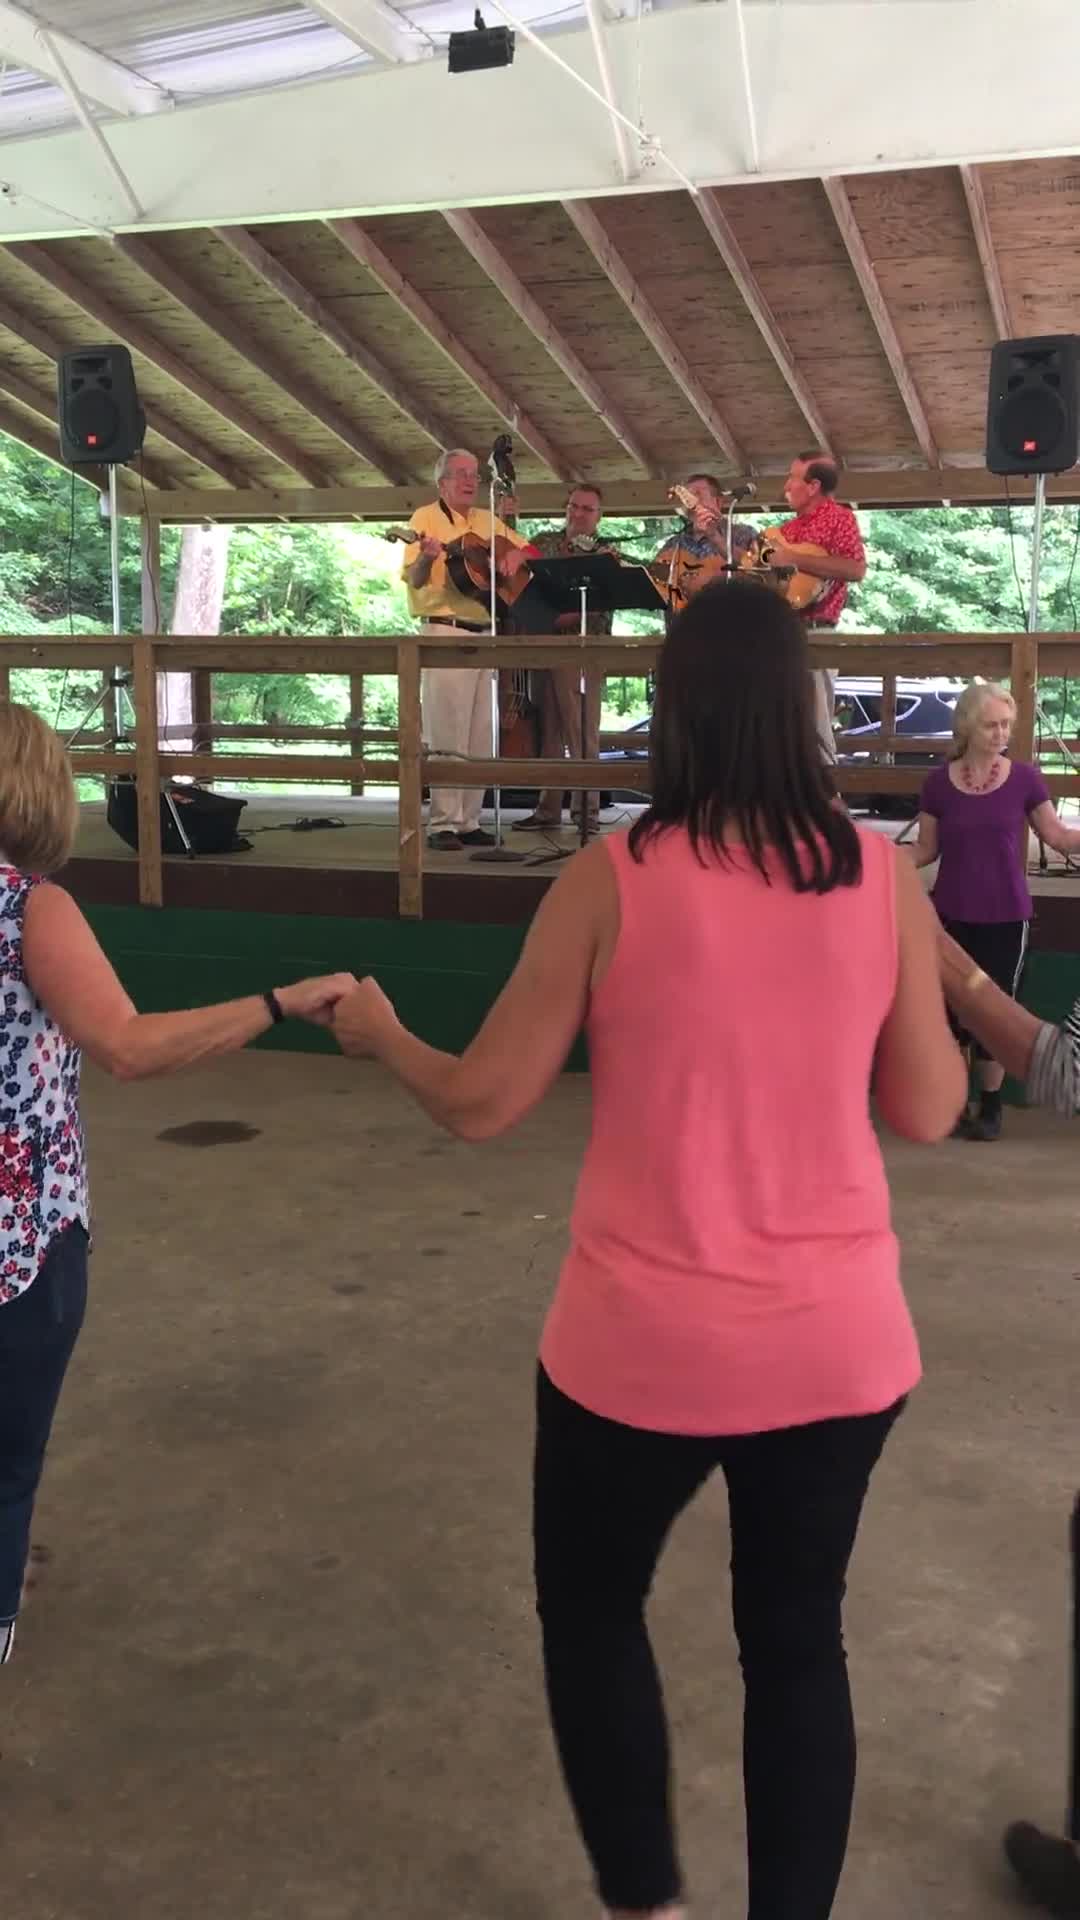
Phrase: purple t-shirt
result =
(981, 876)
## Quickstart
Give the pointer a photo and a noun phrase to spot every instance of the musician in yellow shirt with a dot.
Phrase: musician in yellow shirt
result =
(456, 701)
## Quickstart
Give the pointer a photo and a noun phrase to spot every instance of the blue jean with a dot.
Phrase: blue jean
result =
(38, 1331)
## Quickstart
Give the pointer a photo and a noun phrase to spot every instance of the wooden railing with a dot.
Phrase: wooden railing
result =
(1018, 658)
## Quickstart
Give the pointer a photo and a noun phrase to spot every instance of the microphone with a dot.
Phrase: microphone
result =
(502, 460)
(745, 490)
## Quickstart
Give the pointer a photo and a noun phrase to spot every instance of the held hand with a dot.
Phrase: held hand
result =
(508, 507)
(430, 547)
(510, 562)
(781, 556)
(706, 520)
(315, 1000)
(360, 1016)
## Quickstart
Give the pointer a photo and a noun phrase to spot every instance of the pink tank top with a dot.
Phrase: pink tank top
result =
(732, 1266)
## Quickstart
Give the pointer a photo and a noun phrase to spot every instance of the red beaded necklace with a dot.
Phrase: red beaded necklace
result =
(972, 785)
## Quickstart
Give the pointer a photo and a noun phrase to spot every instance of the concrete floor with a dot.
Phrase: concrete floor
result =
(282, 1665)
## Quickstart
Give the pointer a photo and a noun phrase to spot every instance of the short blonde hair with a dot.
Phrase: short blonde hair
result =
(39, 809)
(968, 708)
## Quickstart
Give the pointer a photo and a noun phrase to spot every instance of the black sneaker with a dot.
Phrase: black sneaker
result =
(478, 838)
(1047, 1867)
(986, 1124)
(962, 1129)
(445, 842)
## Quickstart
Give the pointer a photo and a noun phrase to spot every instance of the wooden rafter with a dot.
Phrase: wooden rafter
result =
(29, 434)
(286, 285)
(984, 241)
(123, 326)
(238, 335)
(32, 334)
(742, 273)
(555, 344)
(837, 195)
(359, 242)
(44, 406)
(661, 340)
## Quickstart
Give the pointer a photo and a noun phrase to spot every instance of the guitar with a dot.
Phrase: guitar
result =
(798, 589)
(468, 563)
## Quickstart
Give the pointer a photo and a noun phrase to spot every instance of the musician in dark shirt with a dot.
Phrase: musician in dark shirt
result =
(557, 690)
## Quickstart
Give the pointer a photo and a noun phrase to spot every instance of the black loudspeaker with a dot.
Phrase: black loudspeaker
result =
(1033, 413)
(101, 420)
(209, 819)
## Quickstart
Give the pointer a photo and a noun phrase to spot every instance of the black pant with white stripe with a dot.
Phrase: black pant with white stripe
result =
(38, 1331)
(999, 947)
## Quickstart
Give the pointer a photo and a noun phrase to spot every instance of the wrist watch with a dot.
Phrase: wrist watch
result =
(274, 1007)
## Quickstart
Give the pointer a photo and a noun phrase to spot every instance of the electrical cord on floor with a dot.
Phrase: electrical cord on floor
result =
(304, 823)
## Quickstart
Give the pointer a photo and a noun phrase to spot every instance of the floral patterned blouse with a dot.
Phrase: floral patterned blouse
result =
(42, 1157)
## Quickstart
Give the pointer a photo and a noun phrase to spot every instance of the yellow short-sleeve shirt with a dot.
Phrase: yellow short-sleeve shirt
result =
(439, 599)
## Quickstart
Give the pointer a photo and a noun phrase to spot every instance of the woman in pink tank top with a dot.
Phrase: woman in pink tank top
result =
(750, 969)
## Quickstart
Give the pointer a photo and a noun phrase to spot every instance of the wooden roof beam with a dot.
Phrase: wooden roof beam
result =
(24, 38)
(151, 261)
(15, 321)
(286, 285)
(662, 342)
(359, 242)
(123, 326)
(378, 31)
(742, 273)
(837, 195)
(984, 241)
(555, 344)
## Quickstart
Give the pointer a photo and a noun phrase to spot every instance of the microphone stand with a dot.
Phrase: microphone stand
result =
(498, 855)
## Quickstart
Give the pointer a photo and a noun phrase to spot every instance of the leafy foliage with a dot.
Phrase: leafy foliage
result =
(931, 569)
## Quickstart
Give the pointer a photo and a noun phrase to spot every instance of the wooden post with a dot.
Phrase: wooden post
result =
(410, 784)
(5, 685)
(356, 716)
(1023, 679)
(1023, 676)
(886, 754)
(202, 710)
(147, 774)
(151, 574)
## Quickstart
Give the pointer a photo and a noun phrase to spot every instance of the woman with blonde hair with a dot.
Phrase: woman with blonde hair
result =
(973, 817)
(59, 997)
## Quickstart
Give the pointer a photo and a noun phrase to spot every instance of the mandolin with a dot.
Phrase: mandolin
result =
(468, 563)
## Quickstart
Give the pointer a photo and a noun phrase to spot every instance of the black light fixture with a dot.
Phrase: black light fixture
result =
(481, 48)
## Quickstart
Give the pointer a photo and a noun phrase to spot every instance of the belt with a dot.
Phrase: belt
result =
(464, 625)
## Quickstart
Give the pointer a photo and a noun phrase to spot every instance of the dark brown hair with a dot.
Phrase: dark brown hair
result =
(711, 481)
(586, 486)
(822, 468)
(734, 746)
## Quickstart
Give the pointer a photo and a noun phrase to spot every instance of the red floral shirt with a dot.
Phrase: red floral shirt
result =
(835, 528)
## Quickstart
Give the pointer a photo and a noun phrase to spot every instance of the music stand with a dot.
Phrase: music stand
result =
(585, 583)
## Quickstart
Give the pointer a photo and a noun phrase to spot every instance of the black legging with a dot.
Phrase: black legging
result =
(606, 1497)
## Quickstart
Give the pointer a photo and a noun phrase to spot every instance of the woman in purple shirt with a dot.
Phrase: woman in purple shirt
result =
(971, 817)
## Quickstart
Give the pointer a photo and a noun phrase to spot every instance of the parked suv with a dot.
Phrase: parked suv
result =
(924, 709)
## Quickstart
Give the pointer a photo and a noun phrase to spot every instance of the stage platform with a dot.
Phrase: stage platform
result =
(314, 902)
(351, 868)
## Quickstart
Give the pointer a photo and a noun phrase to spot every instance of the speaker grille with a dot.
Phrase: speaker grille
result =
(1031, 421)
(92, 418)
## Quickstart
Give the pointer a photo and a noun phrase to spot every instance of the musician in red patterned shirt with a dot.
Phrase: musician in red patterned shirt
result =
(821, 521)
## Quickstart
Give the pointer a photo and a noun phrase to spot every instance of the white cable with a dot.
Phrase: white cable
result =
(647, 141)
(9, 191)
